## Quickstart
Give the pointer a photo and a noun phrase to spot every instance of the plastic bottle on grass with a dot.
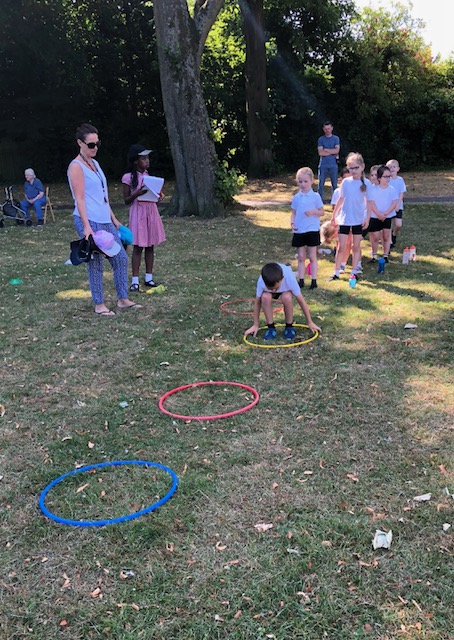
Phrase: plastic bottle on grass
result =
(412, 253)
(406, 256)
(381, 265)
(352, 281)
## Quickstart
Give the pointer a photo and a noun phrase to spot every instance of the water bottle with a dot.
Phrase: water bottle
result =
(412, 255)
(406, 256)
(308, 268)
(352, 281)
(381, 265)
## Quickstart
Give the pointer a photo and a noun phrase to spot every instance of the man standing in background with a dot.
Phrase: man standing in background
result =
(328, 149)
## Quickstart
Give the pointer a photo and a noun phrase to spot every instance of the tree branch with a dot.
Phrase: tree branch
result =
(205, 14)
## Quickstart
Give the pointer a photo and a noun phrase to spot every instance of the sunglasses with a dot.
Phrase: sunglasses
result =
(387, 176)
(354, 168)
(92, 145)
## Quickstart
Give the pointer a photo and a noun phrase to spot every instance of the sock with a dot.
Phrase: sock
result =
(337, 272)
(271, 326)
(313, 284)
(288, 324)
(359, 265)
(343, 265)
(148, 277)
(135, 280)
(353, 272)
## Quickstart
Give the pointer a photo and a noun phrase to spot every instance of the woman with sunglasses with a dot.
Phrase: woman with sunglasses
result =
(92, 213)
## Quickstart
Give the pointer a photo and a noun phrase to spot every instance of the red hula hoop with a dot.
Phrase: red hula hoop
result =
(217, 416)
(224, 308)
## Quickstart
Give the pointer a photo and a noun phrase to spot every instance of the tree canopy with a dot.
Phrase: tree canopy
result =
(64, 62)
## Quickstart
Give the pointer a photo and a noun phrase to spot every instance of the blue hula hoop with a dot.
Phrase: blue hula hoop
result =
(103, 523)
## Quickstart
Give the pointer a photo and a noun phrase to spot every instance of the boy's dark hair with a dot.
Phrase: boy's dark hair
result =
(83, 131)
(344, 171)
(272, 274)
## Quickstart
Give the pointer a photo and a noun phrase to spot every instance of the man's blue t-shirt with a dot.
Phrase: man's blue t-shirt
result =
(328, 143)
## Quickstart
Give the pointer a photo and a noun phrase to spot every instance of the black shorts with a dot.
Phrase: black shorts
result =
(276, 296)
(399, 214)
(308, 239)
(356, 229)
(375, 225)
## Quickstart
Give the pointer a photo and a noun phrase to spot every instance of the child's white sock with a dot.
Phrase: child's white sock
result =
(135, 280)
(148, 277)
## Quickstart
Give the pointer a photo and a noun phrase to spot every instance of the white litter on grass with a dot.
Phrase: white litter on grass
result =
(382, 539)
(409, 325)
(448, 493)
(446, 526)
(68, 262)
(423, 498)
(123, 404)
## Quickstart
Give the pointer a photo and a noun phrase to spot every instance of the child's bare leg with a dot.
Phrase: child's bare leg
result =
(301, 262)
(374, 240)
(397, 228)
(386, 241)
(149, 259)
(356, 258)
(287, 301)
(348, 248)
(314, 266)
(267, 307)
(136, 259)
(340, 252)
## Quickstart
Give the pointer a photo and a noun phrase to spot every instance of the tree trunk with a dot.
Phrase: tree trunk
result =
(258, 115)
(180, 40)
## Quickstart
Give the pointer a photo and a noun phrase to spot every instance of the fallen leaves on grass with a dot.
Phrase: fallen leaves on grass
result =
(82, 487)
(351, 476)
(220, 546)
(90, 444)
(262, 526)
(96, 593)
(2, 411)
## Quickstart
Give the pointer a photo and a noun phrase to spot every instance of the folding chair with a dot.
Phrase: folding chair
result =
(48, 206)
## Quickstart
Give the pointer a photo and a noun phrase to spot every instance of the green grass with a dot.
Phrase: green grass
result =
(348, 430)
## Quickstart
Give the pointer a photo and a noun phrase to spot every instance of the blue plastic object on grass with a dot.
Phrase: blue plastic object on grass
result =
(352, 281)
(103, 523)
(381, 265)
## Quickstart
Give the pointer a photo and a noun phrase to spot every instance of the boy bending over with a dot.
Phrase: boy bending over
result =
(278, 282)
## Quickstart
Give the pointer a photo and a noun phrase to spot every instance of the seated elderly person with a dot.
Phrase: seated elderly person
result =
(34, 196)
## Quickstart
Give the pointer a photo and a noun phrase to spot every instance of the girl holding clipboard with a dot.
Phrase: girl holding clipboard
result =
(144, 219)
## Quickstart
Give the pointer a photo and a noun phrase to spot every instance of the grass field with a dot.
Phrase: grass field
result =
(349, 429)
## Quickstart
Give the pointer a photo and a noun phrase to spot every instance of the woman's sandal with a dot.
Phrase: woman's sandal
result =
(107, 312)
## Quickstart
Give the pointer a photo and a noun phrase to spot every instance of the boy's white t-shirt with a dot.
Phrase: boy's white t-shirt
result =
(288, 283)
(301, 203)
(399, 185)
(354, 206)
(383, 199)
(335, 197)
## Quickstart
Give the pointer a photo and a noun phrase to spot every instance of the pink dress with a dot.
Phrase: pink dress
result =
(144, 219)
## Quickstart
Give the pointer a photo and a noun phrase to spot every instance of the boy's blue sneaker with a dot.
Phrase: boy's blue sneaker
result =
(289, 333)
(270, 334)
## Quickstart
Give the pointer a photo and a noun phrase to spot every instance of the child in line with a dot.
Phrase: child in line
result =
(144, 219)
(382, 211)
(345, 172)
(307, 209)
(374, 181)
(399, 185)
(351, 211)
(277, 281)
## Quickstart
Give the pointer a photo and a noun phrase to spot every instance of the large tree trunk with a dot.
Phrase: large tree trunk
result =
(258, 116)
(180, 40)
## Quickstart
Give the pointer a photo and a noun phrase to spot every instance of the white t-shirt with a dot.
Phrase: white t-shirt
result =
(289, 283)
(399, 185)
(335, 197)
(354, 207)
(383, 199)
(301, 203)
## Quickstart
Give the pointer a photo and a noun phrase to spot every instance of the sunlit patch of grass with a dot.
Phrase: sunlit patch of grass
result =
(73, 294)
